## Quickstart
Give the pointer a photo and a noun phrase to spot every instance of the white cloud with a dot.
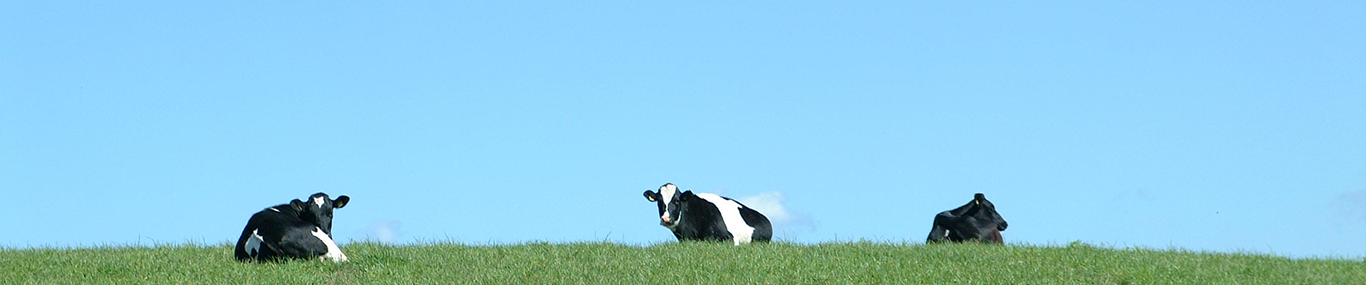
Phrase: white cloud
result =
(771, 205)
(1352, 204)
(384, 231)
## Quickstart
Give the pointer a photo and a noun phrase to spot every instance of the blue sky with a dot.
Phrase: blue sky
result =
(1232, 126)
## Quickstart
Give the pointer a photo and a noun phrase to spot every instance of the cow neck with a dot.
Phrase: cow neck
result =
(286, 209)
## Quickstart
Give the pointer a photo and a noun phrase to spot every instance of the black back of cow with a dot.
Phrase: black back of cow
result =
(296, 230)
(975, 221)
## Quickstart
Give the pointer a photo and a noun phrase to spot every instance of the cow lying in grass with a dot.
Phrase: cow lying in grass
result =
(975, 221)
(295, 230)
(708, 216)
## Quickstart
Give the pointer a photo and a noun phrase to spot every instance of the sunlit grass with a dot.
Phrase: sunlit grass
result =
(609, 263)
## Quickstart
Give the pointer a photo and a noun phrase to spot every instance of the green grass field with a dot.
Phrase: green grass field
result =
(687, 263)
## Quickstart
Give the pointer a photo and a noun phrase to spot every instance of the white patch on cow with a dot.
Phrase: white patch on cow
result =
(253, 246)
(730, 214)
(666, 194)
(319, 200)
(334, 253)
(274, 209)
(667, 191)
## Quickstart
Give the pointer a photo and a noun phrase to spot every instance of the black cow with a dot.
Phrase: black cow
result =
(295, 230)
(708, 216)
(976, 221)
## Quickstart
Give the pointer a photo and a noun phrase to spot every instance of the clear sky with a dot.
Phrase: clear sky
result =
(1231, 126)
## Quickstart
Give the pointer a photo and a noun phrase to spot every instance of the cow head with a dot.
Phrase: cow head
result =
(670, 203)
(318, 209)
(985, 210)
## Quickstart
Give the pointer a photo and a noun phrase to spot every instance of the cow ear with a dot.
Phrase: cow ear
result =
(686, 194)
(650, 195)
(297, 204)
(340, 201)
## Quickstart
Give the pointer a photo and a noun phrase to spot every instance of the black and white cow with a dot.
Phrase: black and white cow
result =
(975, 221)
(295, 230)
(707, 216)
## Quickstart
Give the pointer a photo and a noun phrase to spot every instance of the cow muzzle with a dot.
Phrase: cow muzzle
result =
(666, 221)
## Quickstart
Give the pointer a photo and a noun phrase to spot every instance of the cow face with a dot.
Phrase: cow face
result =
(983, 209)
(318, 209)
(670, 203)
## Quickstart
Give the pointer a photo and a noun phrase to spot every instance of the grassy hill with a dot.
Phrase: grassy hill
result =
(688, 263)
